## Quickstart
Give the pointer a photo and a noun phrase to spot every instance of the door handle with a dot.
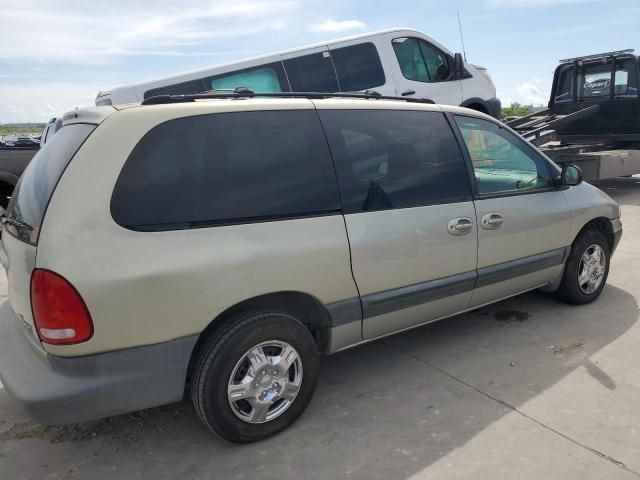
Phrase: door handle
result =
(491, 221)
(406, 93)
(459, 226)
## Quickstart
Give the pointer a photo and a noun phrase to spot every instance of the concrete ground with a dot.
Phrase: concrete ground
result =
(528, 388)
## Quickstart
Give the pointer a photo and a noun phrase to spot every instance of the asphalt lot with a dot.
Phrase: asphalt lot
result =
(528, 388)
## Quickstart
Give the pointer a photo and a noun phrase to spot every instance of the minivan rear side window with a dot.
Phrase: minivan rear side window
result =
(389, 159)
(35, 188)
(227, 168)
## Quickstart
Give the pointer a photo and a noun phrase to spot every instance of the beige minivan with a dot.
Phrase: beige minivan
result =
(214, 247)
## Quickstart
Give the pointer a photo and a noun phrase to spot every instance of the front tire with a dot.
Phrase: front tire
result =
(587, 268)
(256, 377)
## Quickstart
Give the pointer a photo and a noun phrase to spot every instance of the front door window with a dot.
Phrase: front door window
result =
(421, 62)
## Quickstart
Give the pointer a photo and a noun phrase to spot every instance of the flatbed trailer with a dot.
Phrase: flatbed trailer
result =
(593, 116)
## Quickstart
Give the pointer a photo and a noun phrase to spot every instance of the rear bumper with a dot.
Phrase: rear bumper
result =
(495, 107)
(59, 390)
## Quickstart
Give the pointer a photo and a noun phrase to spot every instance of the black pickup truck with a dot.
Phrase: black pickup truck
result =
(593, 117)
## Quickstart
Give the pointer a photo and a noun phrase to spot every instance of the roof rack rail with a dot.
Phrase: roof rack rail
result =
(242, 92)
(597, 56)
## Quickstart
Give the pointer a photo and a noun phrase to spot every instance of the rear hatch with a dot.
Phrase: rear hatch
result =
(26, 212)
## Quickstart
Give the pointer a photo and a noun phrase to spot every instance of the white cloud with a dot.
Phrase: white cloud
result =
(527, 93)
(338, 26)
(47, 30)
(40, 102)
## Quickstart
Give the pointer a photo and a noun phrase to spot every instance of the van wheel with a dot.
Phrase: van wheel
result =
(256, 377)
(587, 268)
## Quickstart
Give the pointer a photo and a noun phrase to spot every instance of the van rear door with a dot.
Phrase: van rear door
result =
(26, 212)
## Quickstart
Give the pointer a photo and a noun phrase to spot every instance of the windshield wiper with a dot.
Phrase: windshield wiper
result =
(15, 223)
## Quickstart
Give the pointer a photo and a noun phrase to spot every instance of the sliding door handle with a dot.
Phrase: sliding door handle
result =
(460, 226)
(491, 221)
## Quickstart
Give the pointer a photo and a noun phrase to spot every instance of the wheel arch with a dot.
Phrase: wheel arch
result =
(601, 224)
(305, 307)
(477, 104)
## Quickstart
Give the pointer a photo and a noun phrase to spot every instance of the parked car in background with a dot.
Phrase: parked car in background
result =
(21, 142)
(397, 61)
(15, 154)
(205, 263)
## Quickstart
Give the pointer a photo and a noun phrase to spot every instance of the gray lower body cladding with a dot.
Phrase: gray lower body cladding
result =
(59, 390)
(380, 303)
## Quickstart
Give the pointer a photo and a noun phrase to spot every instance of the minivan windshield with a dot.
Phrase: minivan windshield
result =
(31, 196)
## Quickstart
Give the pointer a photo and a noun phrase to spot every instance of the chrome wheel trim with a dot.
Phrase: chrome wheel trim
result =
(591, 269)
(265, 382)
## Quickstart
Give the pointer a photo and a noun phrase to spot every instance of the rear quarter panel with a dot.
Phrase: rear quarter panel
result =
(148, 287)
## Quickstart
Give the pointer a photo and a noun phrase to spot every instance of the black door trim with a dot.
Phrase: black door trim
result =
(387, 301)
(522, 266)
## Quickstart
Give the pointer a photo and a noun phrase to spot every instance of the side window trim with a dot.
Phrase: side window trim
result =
(469, 163)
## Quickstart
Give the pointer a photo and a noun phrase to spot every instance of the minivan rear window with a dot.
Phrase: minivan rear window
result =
(33, 192)
(227, 168)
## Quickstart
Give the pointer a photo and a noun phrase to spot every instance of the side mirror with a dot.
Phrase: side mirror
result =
(571, 175)
(458, 65)
(2, 211)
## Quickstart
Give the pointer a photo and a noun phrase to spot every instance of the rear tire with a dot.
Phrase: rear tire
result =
(254, 378)
(584, 275)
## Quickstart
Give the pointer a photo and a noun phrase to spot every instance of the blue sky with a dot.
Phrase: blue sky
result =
(56, 54)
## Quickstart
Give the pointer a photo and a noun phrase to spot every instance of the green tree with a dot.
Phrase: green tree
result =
(517, 110)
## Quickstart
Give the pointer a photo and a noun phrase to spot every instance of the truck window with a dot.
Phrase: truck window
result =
(596, 82)
(358, 67)
(624, 83)
(312, 73)
(421, 62)
(564, 93)
(263, 78)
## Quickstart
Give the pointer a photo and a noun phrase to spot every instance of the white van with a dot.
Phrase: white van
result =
(397, 61)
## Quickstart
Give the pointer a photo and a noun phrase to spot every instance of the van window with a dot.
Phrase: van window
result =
(312, 73)
(227, 168)
(185, 88)
(395, 159)
(39, 180)
(358, 67)
(420, 61)
(263, 78)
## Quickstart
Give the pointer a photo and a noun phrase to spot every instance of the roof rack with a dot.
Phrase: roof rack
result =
(242, 92)
(597, 56)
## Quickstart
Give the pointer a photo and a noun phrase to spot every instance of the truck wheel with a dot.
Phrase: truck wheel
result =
(256, 377)
(587, 268)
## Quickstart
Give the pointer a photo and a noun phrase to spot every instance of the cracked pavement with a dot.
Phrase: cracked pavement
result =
(528, 388)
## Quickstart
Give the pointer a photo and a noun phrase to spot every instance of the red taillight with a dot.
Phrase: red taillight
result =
(60, 315)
